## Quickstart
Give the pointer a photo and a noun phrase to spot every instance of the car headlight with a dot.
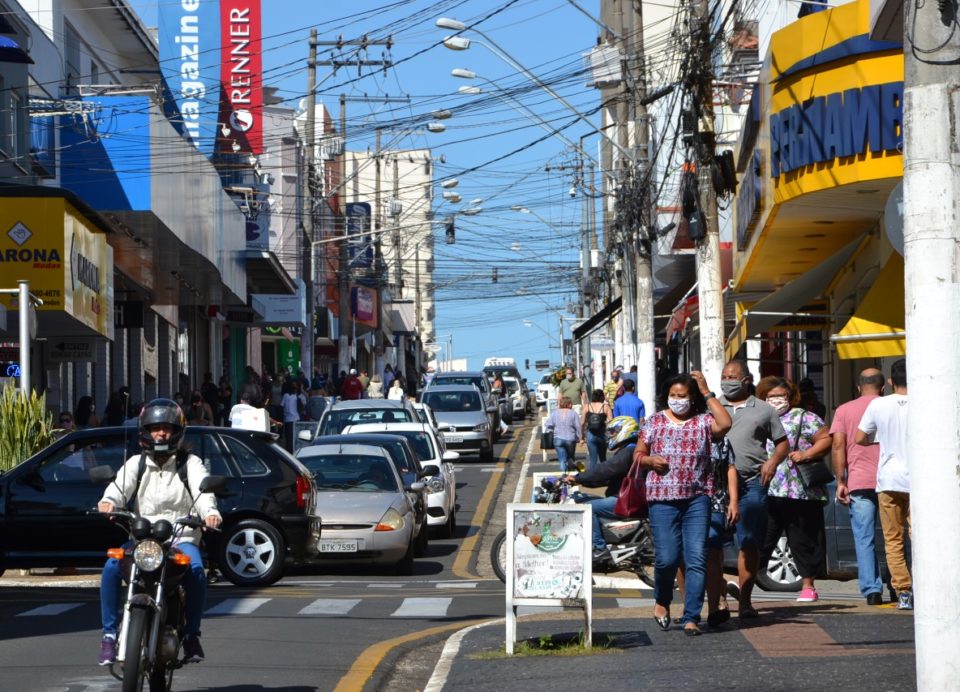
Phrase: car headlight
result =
(148, 555)
(391, 520)
(435, 484)
(483, 427)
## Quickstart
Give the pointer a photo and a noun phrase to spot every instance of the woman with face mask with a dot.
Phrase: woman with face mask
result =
(793, 509)
(675, 444)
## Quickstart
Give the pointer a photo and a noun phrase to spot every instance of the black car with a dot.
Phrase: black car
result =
(268, 506)
(406, 461)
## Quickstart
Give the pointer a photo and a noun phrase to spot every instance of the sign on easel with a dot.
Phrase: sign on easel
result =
(549, 561)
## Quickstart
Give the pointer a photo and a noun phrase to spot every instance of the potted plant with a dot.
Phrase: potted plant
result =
(27, 426)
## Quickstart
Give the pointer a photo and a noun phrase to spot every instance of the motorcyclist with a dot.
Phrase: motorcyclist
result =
(622, 434)
(160, 494)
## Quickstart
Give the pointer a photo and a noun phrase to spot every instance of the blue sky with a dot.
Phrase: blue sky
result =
(500, 155)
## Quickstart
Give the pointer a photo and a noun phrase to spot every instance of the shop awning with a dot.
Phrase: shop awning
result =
(876, 329)
(781, 304)
(10, 51)
(598, 320)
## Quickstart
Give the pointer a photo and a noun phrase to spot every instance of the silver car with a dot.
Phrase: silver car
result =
(368, 517)
(463, 419)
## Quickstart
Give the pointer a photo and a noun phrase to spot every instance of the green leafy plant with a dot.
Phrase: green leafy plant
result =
(27, 426)
(558, 375)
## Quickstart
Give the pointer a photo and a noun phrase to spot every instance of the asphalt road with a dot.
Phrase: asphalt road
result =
(314, 630)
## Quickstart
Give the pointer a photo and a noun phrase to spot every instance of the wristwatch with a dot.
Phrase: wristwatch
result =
(709, 395)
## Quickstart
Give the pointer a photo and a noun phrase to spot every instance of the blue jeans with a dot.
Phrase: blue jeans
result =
(602, 509)
(566, 452)
(679, 530)
(597, 446)
(752, 527)
(194, 582)
(863, 523)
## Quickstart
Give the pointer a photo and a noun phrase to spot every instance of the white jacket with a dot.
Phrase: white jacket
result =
(162, 494)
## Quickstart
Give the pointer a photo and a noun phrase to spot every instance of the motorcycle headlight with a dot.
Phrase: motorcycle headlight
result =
(435, 484)
(483, 427)
(148, 555)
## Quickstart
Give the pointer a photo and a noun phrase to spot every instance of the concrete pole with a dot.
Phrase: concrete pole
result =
(343, 258)
(931, 231)
(25, 337)
(380, 350)
(646, 334)
(586, 303)
(709, 278)
(627, 354)
(397, 267)
(309, 139)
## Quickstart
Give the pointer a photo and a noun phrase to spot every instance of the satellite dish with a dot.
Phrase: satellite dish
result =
(893, 217)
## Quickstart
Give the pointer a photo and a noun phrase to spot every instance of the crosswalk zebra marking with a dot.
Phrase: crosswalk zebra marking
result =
(330, 606)
(457, 585)
(635, 602)
(237, 606)
(422, 608)
(385, 585)
(49, 609)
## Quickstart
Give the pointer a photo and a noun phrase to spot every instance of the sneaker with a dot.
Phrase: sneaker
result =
(733, 590)
(874, 599)
(108, 650)
(601, 555)
(905, 600)
(808, 596)
(192, 651)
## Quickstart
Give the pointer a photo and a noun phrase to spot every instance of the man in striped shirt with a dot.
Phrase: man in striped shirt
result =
(611, 388)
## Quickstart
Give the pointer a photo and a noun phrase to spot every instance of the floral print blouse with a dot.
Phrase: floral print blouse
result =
(786, 481)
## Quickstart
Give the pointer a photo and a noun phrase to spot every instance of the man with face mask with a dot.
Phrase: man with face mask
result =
(611, 388)
(573, 388)
(754, 422)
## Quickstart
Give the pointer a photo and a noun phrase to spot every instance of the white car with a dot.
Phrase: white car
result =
(545, 390)
(426, 415)
(515, 395)
(432, 452)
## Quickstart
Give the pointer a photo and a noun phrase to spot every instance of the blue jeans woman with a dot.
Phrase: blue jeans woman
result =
(565, 424)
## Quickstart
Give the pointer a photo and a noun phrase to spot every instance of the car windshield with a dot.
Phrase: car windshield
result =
(512, 386)
(453, 401)
(546, 379)
(420, 441)
(458, 380)
(335, 421)
(349, 472)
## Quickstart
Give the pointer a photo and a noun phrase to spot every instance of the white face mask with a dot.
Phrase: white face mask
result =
(569, 377)
(679, 406)
(781, 403)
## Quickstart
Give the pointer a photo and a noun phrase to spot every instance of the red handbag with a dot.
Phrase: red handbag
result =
(632, 500)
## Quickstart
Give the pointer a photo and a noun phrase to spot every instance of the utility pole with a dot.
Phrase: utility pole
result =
(931, 234)
(397, 268)
(586, 352)
(306, 194)
(343, 261)
(646, 334)
(380, 351)
(709, 278)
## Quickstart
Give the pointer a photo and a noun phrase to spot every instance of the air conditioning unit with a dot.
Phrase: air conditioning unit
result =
(396, 207)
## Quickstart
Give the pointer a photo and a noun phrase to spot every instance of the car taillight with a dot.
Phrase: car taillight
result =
(303, 488)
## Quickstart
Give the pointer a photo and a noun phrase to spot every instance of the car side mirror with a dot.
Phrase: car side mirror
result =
(430, 470)
(305, 435)
(102, 475)
(451, 455)
(213, 484)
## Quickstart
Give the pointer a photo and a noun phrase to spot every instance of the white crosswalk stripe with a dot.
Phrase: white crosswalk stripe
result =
(237, 606)
(457, 585)
(330, 606)
(422, 608)
(385, 585)
(49, 609)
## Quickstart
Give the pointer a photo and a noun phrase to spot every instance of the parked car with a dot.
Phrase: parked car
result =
(404, 459)
(268, 507)
(545, 390)
(780, 573)
(478, 380)
(516, 394)
(352, 412)
(426, 415)
(463, 421)
(369, 516)
(438, 473)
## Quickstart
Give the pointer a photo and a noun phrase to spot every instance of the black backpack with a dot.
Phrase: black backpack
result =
(597, 422)
(182, 456)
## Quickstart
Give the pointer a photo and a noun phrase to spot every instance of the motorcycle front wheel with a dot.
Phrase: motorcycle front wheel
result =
(136, 655)
(498, 556)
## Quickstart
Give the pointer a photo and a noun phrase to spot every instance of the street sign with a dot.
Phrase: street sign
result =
(71, 351)
(542, 364)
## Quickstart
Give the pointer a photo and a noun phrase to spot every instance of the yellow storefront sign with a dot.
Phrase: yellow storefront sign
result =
(66, 259)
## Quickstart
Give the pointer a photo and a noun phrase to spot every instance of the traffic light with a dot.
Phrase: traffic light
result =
(526, 364)
(451, 231)
(494, 275)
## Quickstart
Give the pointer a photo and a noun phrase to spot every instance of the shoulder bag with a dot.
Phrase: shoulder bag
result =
(632, 500)
(546, 439)
(813, 473)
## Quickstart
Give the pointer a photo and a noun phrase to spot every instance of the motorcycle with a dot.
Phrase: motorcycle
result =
(151, 633)
(629, 541)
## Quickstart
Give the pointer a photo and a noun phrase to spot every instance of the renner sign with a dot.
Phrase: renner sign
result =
(241, 76)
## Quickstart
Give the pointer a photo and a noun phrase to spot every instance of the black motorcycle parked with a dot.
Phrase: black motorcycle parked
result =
(151, 632)
(629, 541)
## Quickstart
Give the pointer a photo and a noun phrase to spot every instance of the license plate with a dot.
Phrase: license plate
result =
(455, 438)
(338, 546)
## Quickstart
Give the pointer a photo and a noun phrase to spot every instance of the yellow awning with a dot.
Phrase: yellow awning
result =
(876, 329)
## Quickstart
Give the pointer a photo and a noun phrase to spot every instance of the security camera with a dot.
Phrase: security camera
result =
(573, 191)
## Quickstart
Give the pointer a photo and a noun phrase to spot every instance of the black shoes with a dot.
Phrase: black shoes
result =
(602, 555)
(718, 617)
(874, 599)
(192, 651)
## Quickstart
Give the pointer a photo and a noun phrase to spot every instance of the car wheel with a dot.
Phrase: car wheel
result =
(404, 567)
(422, 541)
(252, 553)
(780, 573)
(449, 530)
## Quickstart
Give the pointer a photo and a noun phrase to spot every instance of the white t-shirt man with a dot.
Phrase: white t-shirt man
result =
(885, 421)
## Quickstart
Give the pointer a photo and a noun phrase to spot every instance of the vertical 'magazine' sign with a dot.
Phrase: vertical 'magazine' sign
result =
(189, 39)
(241, 76)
